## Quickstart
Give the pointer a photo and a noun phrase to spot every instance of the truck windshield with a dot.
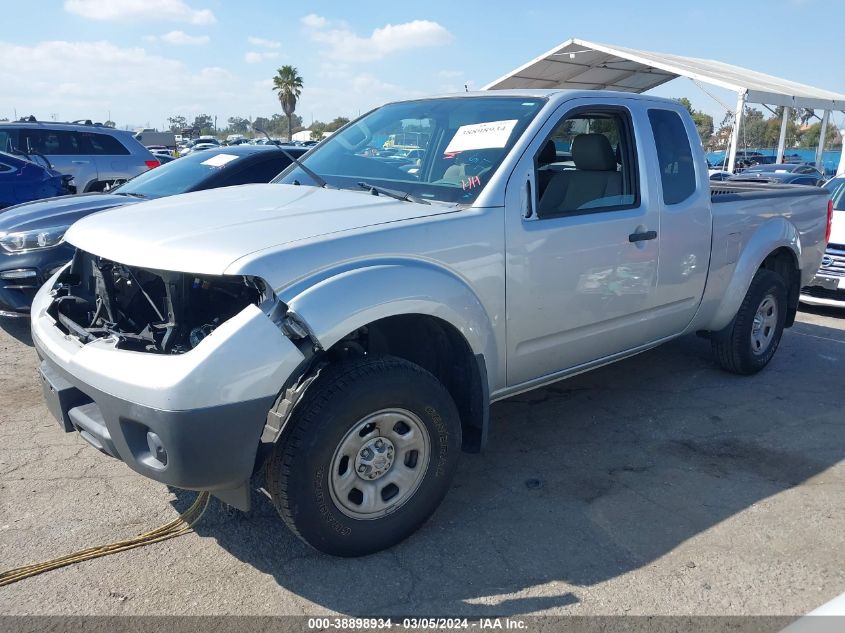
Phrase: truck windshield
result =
(435, 149)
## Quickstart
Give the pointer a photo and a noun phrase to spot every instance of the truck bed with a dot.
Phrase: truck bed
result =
(728, 191)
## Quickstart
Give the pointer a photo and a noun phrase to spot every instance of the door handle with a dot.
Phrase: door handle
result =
(80, 162)
(642, 237)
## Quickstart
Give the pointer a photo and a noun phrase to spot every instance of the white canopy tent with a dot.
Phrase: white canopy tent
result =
(578, 64)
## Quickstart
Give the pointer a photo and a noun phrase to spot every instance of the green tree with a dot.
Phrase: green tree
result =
(685, 102)
(288, 85)
(238, 125)
(177, 123)
(318, 130)
(753, 130)
(281, 124)
(703, 122)
(204, 123)
(772, 133)
(262, 123)
(810, 137)
(336, 124)
(704, 125)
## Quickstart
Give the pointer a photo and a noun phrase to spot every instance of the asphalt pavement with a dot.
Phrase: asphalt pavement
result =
(658, 485)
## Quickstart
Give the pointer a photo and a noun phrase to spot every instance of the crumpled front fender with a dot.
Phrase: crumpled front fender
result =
(339, 304)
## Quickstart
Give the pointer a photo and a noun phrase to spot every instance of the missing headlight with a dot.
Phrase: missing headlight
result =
(147, 310)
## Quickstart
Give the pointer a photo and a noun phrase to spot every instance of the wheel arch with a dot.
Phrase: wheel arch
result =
(775, 245)
(415, 311)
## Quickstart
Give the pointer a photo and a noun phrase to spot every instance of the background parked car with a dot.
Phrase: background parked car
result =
(828, 286)
(95, 155)
(164, 157)
(153, 137)
(782, 173)
(31, 246)
(718, 175)
(200, 144)
(23, 180)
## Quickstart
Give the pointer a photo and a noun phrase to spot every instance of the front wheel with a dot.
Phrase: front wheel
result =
(752, 338)
(367, 456)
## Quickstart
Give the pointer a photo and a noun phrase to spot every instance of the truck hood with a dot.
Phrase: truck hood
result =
(61, 211)
(206, 231)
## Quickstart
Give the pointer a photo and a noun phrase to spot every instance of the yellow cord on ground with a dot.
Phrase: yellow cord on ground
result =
(177, 527)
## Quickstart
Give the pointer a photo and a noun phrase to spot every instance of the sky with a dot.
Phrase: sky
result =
(141, 61)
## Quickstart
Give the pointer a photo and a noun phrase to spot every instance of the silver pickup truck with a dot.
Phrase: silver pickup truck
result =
(337, 336)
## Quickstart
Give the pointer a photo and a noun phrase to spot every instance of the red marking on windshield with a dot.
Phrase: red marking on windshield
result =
(470, 183)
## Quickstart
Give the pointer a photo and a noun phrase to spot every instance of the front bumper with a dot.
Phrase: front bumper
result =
(825, 290)
(818, 296)
(191, 420)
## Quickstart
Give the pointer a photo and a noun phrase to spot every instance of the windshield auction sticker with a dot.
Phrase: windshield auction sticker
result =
(219, 160)
(481, 136)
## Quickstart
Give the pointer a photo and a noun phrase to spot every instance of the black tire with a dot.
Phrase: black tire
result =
(735, 348)
(343, 395)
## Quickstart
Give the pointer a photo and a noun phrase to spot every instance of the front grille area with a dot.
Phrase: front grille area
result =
(833, 262)
(824, 293)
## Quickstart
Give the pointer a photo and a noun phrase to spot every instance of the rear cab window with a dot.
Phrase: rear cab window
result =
(674, 155)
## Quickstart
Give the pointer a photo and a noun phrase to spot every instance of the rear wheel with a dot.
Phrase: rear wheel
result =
(366, 457)
(752, 338)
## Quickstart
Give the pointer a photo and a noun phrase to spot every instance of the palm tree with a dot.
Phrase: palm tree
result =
(288, 84)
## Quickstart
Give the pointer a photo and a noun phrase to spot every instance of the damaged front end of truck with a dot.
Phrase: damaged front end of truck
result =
(145, 310)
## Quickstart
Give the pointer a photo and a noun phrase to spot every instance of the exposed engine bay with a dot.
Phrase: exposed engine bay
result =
(147, 310)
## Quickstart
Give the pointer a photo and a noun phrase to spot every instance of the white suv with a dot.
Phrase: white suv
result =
(828, 286)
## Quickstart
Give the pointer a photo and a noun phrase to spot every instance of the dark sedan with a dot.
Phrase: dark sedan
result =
(23, 180)
(32, 234)
(782, 173)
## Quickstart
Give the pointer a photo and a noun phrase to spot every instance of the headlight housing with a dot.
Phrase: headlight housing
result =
(24, 241)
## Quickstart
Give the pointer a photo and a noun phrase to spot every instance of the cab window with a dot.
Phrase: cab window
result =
(587, 164)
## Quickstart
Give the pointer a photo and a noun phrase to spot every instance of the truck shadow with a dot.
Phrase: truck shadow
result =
(825, 311)
(583, 481)
(17, 329)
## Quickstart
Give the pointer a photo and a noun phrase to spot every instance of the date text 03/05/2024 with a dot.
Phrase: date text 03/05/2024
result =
(416, 623)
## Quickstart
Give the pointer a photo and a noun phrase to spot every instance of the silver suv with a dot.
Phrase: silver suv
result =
(95, 155)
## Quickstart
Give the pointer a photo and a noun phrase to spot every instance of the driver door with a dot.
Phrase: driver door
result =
(582, 242)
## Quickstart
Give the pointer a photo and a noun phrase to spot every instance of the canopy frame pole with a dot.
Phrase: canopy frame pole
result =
(840, 171)
(822, 136)
(740, 111)
(782, 138)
